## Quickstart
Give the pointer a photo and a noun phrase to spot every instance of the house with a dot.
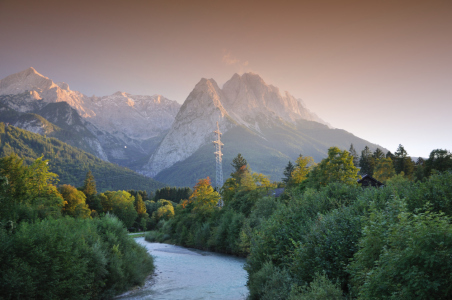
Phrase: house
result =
(367, 181)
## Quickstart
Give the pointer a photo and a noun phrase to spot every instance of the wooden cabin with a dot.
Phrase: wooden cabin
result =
(368, 181)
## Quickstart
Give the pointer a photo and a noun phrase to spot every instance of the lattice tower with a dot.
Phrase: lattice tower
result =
(218, 158)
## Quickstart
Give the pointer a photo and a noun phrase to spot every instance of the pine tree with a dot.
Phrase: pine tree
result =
(378, 154)
(288, 172)
(355, 155)
(366, 162)
(89, 185)
(403, 162)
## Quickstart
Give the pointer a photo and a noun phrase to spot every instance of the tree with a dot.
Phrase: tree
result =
(366, 162)
(75, 202)
(29, 187)
(238, 162)
(89, 185)
(240, 167)
(90, 191)
(304, 165)
(288, 172)
(337, 167)
(390, 155)
(165, 211)
(440, 160)
(263, 181)
(384, 169)
(121, 204)
(402, 162)
(378, 154)
(355, 155)
(204, 197)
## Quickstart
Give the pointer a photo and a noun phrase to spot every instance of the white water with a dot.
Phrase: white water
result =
(192, 274)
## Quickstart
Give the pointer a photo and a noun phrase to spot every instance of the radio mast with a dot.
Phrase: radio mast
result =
(218, 158)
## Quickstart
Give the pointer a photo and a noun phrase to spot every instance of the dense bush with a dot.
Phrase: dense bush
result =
(71, 259)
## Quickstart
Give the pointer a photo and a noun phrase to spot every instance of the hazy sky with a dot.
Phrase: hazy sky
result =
(379, 69)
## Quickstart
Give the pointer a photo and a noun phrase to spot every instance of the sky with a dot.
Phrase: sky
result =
(381, 70)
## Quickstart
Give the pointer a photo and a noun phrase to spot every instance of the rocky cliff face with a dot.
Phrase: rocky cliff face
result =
(244, 101)
(121, 114)
(120, 127)
(134, 116)
(249, 99)
(192, 127)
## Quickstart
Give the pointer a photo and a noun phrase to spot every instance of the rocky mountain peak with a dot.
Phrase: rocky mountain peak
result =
(192, 127)
(26, 80)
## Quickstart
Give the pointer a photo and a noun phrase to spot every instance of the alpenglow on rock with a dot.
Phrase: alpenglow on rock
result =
(192, 127)
(121, 114)
(244, 101)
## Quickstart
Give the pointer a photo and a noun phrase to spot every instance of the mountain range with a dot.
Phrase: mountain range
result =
(172, 143)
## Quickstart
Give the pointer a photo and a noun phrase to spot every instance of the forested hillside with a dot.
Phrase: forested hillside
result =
(70, 163)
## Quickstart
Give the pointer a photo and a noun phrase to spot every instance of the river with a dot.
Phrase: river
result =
(183, 273)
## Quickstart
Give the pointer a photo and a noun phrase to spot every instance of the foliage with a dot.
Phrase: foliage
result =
(366, 162)
(407, 251)
(303, 166)
(337, 167)
(204, 197)
(355, 155)
(28, 192)
(320, 288)
(71, 259)
(165, 211)
(288, 172)
(439, 160)
(75, 202)
(173, 194)
(121, 204)
(403, 163)
(384, 169)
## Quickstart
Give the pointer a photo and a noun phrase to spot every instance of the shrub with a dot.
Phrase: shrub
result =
(71, 258)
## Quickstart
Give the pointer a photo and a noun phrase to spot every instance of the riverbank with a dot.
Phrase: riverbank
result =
(183, 273)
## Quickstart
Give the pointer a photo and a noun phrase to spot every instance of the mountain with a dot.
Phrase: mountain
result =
(70, 163)
(192, 127)
(267, 127)
(173, 143)
(120, 128)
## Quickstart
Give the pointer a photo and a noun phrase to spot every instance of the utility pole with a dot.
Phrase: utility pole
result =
(218, 158)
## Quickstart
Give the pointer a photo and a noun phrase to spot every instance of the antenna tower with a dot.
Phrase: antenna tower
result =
(218, 157)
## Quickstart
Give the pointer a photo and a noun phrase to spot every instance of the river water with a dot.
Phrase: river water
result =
(192, 274)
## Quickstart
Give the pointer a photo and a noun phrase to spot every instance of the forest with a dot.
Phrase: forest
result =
(69, 163)
(326, 237)
(63, 242)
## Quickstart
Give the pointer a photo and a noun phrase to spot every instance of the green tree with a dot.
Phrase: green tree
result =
(439, 160)
(89, 185)
(337, 167)
(355, 155)
(90, 191)
(75, 202)
(30, 189)
(121, 204)
(403, 163)
(366, 162)
(240, 167)
(165, 211)
(384, 169)
(288, 172)
(378, 154)
(303, 166)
